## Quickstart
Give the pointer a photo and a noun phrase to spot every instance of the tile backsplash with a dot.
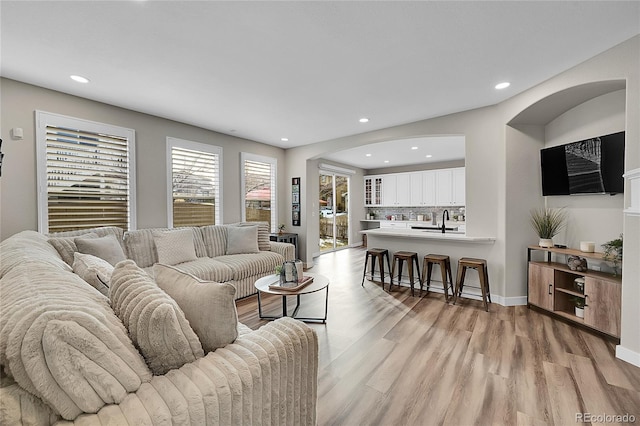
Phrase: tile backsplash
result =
(411, 213)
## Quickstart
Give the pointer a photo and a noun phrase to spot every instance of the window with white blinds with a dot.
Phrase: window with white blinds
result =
(85, 174)
(259, 183)
(194, 179)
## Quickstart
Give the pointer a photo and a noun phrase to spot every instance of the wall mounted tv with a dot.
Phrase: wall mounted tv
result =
(591, 166)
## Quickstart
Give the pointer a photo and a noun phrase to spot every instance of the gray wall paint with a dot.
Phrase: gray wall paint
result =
(18, 182)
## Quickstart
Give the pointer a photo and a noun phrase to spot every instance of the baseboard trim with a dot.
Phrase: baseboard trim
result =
(504, 301)
(628, 355)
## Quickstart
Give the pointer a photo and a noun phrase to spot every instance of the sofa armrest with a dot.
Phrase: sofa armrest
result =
(287, 250)
(268, 377)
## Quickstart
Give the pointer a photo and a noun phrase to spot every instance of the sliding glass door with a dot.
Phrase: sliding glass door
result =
(334, 213)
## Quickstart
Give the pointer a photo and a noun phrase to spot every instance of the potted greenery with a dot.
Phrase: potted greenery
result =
(281, 229)
(613, 253)
(547, 223)
(579, 304)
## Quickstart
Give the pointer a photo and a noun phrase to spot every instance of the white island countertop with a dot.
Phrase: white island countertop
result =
(428, 235)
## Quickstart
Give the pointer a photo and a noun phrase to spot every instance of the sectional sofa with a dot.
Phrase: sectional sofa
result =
(160, 345)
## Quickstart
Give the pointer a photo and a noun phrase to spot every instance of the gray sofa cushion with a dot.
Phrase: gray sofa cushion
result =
(247, 265)
(242, 239)
(208, 269)
(107, 248)
(215, 239)
(141, 248)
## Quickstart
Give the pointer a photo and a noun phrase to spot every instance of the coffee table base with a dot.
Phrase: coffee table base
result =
(295, 311)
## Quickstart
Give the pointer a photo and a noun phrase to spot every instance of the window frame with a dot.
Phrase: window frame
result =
(193, 146)
(44, 119)
(247, 156)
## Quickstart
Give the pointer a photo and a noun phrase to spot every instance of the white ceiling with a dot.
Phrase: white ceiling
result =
(303, 70)
(402, 152)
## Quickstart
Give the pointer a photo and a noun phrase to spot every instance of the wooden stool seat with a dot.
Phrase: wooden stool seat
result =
(445, 269)
(376, 254)
(483, 273)
(411, 258)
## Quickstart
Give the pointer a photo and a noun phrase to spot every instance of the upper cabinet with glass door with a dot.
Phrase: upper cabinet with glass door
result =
(372, 191)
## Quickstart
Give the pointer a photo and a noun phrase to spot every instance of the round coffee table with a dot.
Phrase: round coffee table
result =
(320, 282)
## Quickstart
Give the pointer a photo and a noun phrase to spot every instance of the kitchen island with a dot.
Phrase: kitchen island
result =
(455, 244)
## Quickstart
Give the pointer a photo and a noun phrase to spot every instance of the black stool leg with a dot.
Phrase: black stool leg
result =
(415, 259)
(410, 270)
(364, 273)
(443, 272)
(381, 264)
(448, 265)
(389, 269)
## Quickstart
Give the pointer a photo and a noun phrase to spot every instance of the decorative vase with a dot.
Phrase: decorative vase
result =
(545, 242)
(579, 312)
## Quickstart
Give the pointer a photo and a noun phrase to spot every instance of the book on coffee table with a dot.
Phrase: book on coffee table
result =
(292, 286)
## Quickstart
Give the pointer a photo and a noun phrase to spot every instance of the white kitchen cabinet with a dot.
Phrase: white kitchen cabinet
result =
(396, 190)
(417, 191)
(444, 183)
(458, 186)
(429, 188)
(450, 187)
(373, 191)
(444, 187)
(423, 189)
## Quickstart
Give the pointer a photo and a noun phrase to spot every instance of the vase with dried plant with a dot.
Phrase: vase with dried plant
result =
(547, 223)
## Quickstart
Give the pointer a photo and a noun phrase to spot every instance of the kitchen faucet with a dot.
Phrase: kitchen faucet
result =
(445, 212)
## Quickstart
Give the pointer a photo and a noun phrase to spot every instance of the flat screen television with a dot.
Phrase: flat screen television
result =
(591, 166)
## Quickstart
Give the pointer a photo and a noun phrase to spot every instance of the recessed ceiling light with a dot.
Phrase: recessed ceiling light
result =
(503, 85)
(284, 139)
(79, 79)
(367, 155)
(414, 147)
(428, 155)
(386, 161)
(364, 120)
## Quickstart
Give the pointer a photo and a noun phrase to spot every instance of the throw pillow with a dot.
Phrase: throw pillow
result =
(93, 270)
(66, 246)
(107, 248)
(175, 247)
(264, 230)
(155, 322)
(242, 239)
(209, 306)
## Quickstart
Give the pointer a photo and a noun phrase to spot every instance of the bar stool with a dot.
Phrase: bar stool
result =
(481, 266)
(445, 268)
(412, 259)
(379, 255)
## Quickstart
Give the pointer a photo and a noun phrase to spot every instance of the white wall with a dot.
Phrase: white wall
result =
(18, 182)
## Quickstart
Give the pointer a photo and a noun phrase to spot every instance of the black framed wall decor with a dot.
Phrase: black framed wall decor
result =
(295, 201)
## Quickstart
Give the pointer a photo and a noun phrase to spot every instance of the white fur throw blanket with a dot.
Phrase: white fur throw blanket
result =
(61, 342)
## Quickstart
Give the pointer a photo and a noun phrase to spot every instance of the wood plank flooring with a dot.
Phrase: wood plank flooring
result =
(392, 359)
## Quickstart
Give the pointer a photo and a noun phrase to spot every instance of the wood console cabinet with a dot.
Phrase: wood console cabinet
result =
(551, 288)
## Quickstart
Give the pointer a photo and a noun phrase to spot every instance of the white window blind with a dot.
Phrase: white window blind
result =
(195, 183)
(259, 175)
(86, 172)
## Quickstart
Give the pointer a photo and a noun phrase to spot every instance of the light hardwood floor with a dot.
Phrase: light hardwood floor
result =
(392, 359)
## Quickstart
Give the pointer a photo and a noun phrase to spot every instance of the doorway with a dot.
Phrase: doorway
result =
(334, 211)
